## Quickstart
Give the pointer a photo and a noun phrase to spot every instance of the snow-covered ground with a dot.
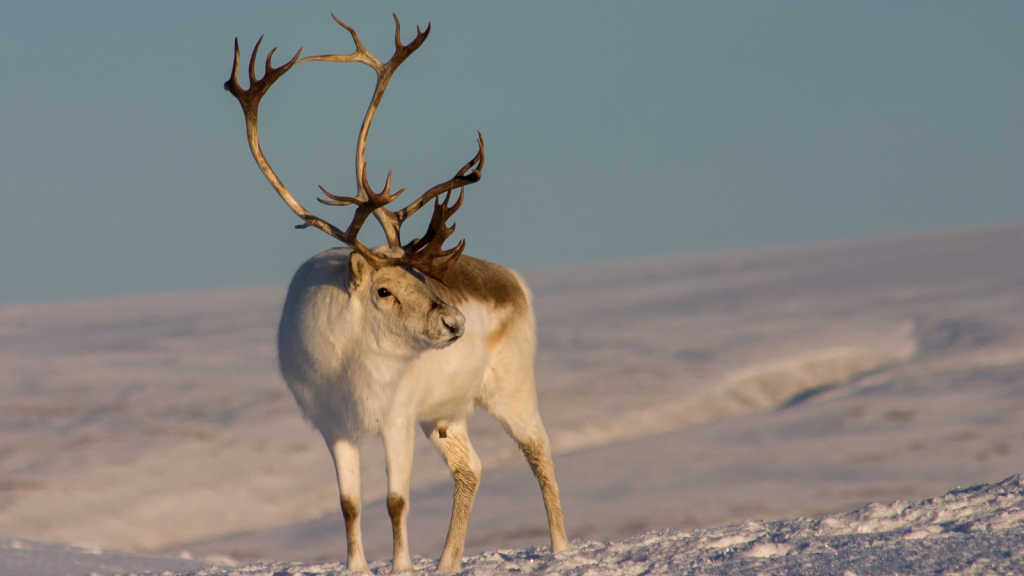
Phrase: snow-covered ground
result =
(975, 530)
(680, 393)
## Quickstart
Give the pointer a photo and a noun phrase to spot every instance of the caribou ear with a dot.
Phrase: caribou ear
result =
(359, 270)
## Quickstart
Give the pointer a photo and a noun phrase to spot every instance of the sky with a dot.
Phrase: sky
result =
(613, 131)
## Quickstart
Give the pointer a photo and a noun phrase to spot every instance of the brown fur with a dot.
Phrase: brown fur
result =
(350, 511)
(475, 279)
(396, 509)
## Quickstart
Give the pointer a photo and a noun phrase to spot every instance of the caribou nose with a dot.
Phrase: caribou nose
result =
(447, 324)
(455, 325)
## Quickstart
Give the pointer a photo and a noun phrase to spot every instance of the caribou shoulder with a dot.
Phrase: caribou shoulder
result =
(473, 279)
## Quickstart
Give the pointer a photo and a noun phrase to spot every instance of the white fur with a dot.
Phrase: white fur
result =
(359, 366)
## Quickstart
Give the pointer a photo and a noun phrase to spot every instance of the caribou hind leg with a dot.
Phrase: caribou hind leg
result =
(452, 441)
(537, 449)
(523, 424)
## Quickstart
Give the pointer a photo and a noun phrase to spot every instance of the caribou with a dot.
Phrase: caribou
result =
(375, 342)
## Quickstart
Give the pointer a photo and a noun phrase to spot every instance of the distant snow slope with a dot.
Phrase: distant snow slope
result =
(977, 530)
(679, 393)
(906, 432)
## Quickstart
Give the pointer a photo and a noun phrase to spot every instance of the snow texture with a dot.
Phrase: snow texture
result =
(976, 530)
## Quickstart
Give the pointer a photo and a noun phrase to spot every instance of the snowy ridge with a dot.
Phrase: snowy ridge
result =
(976, 530)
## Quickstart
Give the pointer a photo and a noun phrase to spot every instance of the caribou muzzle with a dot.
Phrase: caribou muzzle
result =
(445, 324)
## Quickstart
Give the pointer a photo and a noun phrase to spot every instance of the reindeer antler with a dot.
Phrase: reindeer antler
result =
(425, 254)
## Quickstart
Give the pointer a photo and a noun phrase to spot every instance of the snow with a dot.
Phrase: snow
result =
(978, 530)
(680, 393)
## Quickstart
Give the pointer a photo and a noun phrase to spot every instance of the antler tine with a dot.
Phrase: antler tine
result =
(429, 257)
(426, 254)
(402, 51)
(250, 98)
(335, 200)
(361, 54)
(462, 178)
(385, 197)
(252, 61)
(374, 203)
(387, 219)
(375, 200)
(435, 265)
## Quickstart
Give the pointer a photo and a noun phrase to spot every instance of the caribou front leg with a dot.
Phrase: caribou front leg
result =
(398, 452)
(452, 441)
(346, 464)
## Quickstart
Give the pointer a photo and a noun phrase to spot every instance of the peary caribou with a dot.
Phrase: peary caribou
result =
(380, 341)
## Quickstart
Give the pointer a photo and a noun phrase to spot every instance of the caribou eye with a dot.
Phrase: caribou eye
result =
(383, 292)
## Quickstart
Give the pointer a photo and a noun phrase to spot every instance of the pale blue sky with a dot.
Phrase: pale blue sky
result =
(614, 130)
